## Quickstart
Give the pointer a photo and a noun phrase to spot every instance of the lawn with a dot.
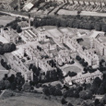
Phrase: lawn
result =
(71, 69)
(5, 19)
(28, 99)
(55, 32)
(66, 12)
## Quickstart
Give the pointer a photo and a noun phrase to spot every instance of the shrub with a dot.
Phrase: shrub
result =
(86, 94)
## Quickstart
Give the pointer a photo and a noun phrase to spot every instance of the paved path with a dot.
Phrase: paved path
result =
(83, 13)
(16, 15)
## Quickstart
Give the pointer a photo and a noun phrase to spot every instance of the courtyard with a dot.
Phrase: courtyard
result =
(76, 67)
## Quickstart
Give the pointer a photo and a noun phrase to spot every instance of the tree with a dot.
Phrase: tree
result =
(6, 84)
(103, 100)
(63, 101)
(19, 81)
(2, 85)
(46, 91)
(1, 50)
(85, 64)
(69, 104)
(59, 73)
(98, 27)
(13, 47)
(19, 30)
(14, 26)
(58, 92)
(102, 88)
(95, 85)
(78, 57)
(11, 78)
(8, 47)
(5, 77)
(85, 94)
(72, 74)
(96, 102)
(85, 70)
(104, 28)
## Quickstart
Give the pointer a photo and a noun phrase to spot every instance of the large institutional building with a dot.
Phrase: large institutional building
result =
(100, 45)
(56, 43)
(83, 78)
(87, 54)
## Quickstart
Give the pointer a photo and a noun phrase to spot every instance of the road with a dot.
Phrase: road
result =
(61, 12)
(16, 15)
(83, 13)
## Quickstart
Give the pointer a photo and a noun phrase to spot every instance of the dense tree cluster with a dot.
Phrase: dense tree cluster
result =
(82, 22)
(14, 25)
(82, 61)
(13, 82)
(7, 47)
(73, 92)
(102, 65)
(95, 85)
(52, 90)
(52, 63)
(85, 65)
(71, 74)
(86, 94)
(49, 76)
(5, 65)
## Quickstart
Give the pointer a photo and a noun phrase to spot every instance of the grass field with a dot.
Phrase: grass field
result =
(5, 19)
(28, 99)
(72, 69)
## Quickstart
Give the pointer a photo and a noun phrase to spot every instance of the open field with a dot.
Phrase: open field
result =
(5, 19)
(28, 99)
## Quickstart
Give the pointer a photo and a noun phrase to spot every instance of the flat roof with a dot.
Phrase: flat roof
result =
(3, 40)
(55, 32)
(102, 39)
(67, 32)
(28, 6)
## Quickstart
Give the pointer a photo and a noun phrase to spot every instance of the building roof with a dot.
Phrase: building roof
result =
(66, 31)
(102, 39)
(96, 33)
(23, 23)
(55, 33)
(3, 40)
(28, 6)
(82, 76)
(11, 32)
(19, 52)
